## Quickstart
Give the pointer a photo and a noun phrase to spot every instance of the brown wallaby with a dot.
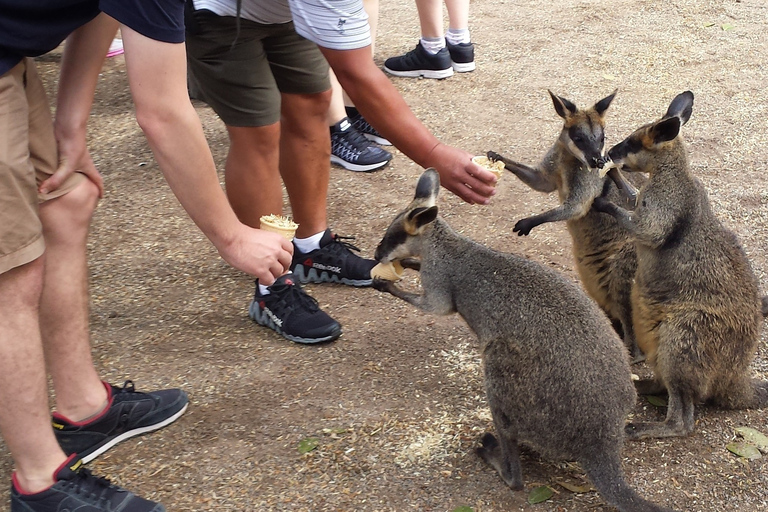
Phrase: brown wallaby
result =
(696, 307)
(556, 374)
(604, 252)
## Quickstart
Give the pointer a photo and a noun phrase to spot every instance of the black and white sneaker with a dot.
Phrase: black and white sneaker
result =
(419, 62)
(289, 311)
(333, 262)
(76, 489)
(462, 56)
(354, 152)
(128, 414)
(364, 127)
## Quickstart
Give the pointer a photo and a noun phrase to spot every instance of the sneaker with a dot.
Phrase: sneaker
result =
(289, 311)
(462, 56)
(333, 262)
(419, 62)
(76, 489)
(128, 414)
(354, 152)
(362, 126)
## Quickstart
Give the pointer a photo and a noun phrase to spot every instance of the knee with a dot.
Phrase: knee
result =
(75, 208)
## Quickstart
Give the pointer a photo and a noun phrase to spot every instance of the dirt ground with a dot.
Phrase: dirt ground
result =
(396, 404)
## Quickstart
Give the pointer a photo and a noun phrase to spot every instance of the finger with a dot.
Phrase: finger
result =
(96, 178)
(55, 180)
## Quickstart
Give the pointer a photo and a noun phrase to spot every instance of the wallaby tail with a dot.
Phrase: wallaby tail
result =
(761, 394)
(607, 476)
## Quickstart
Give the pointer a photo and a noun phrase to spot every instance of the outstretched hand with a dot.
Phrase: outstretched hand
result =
(461, 176)
(262, 254)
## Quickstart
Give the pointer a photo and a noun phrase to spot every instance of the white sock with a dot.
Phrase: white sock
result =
(433, 44)
(264, 290)
(310, 244)
(458, 35)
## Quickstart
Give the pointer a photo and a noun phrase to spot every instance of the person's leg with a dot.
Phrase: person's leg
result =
(25, 420)
(457, 36)
(430, 18)
(458, 14)
(430, 58)
(304, 156)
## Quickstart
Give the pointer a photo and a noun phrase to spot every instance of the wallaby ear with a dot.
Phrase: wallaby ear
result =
(602, 105)
(427, 187)
(665, 130)
(681, 107)
(419, 217)
(563, 107)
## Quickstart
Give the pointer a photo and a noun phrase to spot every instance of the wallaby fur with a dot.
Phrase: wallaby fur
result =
(696, 307)
(604, 252)
(556, 374)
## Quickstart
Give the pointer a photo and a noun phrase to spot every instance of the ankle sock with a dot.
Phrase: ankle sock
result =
(433, 44)
(309, 244)
(457, 35)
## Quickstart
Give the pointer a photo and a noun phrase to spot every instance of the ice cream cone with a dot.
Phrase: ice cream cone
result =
(391, 271)
(496, 167)
(279, 224)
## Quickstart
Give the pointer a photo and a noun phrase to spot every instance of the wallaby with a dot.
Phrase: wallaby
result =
(604, 252)
(696, 306)
(556, 374)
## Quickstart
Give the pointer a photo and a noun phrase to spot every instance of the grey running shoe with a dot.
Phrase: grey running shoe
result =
(354, 152)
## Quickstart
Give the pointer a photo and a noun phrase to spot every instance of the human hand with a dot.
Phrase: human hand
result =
(460, 175)
(73, 157)
(262, 254)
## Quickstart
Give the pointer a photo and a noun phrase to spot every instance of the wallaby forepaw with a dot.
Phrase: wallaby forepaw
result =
(381, 284)
(411, 263)
(523, 227)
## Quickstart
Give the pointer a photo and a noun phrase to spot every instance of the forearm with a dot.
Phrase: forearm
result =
(81, 63)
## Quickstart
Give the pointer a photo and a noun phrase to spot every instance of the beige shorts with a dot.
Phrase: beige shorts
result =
(28, 155)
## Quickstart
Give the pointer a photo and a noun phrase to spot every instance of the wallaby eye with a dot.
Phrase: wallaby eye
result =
(577, 138)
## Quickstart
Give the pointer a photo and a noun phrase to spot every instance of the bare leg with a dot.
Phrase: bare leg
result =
(305, 152)
(430, 18)
(64, 304)
(458, 13)
(251, 172)
(25, 418)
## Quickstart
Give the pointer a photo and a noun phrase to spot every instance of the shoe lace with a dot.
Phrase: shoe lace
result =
(86, 483)
(341, 241)
(128, 387)
(355, 139)
(295, 296)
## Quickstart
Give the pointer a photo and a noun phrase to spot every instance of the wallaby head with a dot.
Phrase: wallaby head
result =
(583, 130)
(401, 239)
(643, 150)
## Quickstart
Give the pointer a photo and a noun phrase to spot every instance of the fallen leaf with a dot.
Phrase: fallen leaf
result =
(308, 444)
(540, 494)
(578, 489)
(463, 508)
(726, 26)
(754, 437)
(745, 450)
(709, 24)
(656, 401)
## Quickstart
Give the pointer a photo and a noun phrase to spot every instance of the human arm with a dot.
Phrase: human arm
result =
(81, 63)
(385, 109)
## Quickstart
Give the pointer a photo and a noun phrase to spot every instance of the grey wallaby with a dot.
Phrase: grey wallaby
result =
(557, 376)
(696, 306)
(603, 251)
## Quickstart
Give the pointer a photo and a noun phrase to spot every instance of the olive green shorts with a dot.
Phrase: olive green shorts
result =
(243, 81)
(28, 156)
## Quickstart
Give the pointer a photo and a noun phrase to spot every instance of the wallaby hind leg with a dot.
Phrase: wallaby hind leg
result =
(502, 454)
(604, 469)
(679, 421)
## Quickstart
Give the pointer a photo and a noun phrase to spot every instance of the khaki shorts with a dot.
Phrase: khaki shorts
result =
(28, 156)
(243, 83)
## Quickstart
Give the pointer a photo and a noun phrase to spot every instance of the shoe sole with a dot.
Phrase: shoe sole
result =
(357, 167)
(264, 320)
(378, 140)
(313, 276)
(463, 67)
(437, 74)
(88, 457)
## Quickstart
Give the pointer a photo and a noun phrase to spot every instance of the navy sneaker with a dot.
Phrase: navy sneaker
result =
(462, 56)
(76, 489)
(351, 150)
(364, 127)
(289, 311)
(333, 262)
(419, 62)
(128, 414)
